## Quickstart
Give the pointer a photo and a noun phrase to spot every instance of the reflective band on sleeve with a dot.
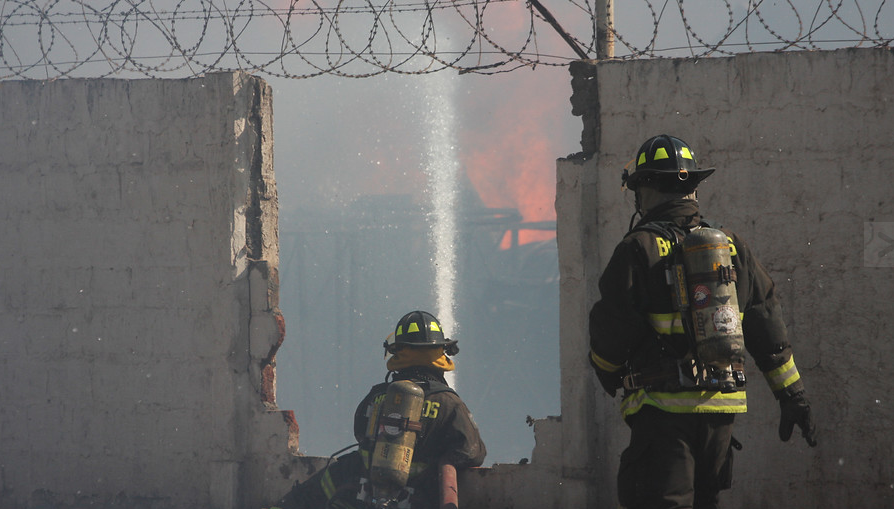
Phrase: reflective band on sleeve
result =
(603, 364)
(328, 485)
(688, 402)
(666, 323)
(783, 376)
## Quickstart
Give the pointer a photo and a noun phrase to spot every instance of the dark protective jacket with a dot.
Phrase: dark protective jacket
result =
(449, 433)
(635, 324)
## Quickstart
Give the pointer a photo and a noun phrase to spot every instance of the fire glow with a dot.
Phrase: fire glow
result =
(510, 158)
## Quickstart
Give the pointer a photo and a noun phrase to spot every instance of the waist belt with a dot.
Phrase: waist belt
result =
(685, 374)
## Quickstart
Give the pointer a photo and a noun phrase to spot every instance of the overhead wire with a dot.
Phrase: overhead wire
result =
(49, 39)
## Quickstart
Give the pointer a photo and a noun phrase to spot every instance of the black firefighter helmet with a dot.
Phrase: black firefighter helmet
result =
(665, 163)
(419, 329)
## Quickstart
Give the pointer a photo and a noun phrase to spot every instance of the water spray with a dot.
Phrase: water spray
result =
(442, 168)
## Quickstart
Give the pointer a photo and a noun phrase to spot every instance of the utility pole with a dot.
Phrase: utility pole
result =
(548, 16)
(605, 22)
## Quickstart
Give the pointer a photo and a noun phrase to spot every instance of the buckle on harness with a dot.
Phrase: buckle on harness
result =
(687, 374)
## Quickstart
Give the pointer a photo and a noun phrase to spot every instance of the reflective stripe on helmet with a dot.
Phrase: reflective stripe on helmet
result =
(414, 327)
(783, 376)
(688, 402)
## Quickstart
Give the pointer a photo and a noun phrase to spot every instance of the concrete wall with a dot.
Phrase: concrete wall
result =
(804, 155)
(139, 320)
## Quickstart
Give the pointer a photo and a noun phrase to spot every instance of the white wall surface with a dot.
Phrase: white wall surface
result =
(138, 314)
(804, 158)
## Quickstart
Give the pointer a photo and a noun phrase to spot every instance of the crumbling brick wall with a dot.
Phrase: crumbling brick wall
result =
(139, 320)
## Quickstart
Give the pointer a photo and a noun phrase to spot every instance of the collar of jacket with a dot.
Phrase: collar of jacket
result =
(682, 212)
(420, 373)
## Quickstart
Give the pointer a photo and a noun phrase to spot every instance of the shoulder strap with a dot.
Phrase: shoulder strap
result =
(667, 229)
(434, 387)
(379, 388)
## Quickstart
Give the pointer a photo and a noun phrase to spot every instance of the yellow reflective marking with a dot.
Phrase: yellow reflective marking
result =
(328, 485)
(399, 330)
(732, 247)
(430, 409)
(642, 158)
(414, 327)
(666, 323)
(661, 153)
(434, 326)
(783, 376)
(664, 247)
(688, 402)
(603, 364)
(685, 153)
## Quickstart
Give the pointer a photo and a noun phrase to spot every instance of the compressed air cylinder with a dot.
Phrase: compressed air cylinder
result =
(712, 298)
(393, 452)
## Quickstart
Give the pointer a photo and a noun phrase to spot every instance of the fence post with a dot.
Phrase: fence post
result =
(605, 22)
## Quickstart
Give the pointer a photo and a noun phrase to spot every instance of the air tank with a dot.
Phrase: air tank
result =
(397, 425)
(714, 305)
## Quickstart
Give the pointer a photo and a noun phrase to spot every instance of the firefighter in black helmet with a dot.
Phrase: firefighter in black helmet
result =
(642, 342)
(446, 437)
(419, 329)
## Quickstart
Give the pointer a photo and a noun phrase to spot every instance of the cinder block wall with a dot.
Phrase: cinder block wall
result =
(804, 157)
(139, 320)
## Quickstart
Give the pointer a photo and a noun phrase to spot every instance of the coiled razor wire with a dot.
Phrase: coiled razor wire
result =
(48, 39)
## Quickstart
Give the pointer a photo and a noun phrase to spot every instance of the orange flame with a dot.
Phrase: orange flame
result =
(511, 157)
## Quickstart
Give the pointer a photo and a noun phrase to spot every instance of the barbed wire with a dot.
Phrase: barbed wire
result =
(48, 39)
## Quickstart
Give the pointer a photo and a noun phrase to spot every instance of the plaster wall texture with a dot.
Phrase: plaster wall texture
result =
(801, 143)
(138, 320)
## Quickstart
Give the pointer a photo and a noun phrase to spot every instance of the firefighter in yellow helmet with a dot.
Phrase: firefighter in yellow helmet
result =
(411, 442)
(659, 315)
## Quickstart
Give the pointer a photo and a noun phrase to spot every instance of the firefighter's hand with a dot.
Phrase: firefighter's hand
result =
(796, 410)
(610, 382)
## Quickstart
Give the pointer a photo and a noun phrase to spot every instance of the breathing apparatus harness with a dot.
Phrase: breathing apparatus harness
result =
(701, 279)
(394, 426)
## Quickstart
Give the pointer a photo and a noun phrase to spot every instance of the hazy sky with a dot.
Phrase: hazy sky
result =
(339, 139)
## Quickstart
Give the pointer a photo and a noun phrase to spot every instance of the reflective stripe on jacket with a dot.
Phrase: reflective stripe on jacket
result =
(685, 402)
(635, 323)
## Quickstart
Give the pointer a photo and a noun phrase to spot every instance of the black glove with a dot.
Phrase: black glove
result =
(796, 410)
(611, 382)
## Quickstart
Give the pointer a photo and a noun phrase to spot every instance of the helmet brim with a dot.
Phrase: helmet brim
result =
(450, 346)
(645, 176)
(446, 343)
